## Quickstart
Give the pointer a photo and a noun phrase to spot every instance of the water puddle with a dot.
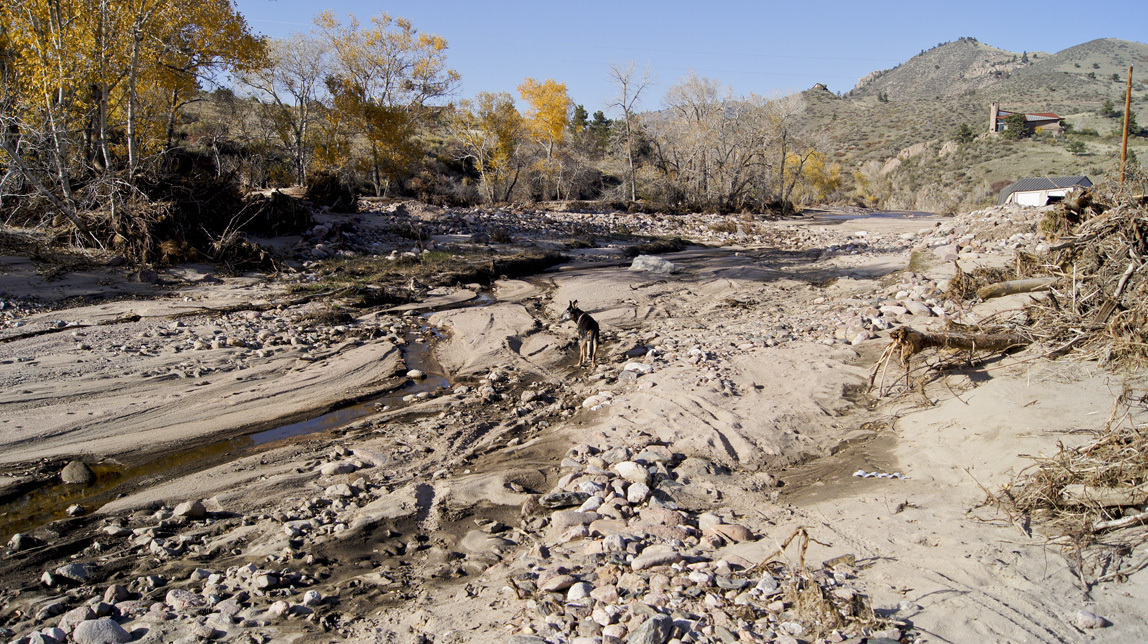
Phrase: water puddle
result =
(876, 214)
(51, 502)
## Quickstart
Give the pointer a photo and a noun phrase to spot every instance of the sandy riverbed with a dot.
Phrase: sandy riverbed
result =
(748, 364)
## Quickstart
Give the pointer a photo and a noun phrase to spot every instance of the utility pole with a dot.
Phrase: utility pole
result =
(1124, 145)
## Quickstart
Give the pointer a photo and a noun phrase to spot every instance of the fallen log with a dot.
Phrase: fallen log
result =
(1081, 494)
(1012, 287)
(911, 342)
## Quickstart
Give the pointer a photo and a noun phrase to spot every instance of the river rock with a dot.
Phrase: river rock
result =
(337, 468)
(190, 510)
(100, 631)
(637, 493)
(633, 472)
(655, 630)
(73, 617)
(1088, 619)
(557, 583)
(652, 264)
(77, 572)
(116, 593)
(77, 473)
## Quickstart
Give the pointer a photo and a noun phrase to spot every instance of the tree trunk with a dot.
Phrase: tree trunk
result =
(133, 71)
(1000, 289)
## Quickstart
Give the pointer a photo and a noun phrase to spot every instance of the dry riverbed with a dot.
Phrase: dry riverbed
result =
(269, 467)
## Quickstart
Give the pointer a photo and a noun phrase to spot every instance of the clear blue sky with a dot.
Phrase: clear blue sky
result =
(761, 47)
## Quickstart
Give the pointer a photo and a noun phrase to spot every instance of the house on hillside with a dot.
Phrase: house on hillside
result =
(1041, 191)
(1038, 122)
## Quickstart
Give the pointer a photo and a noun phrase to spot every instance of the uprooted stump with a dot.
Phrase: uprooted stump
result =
(908, 342)
(911, 342)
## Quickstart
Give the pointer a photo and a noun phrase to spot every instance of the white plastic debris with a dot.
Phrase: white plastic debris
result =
(880, 475)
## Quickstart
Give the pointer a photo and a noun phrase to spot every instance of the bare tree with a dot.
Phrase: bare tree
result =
(713, 147)
(630, 87)
(292, 80)
(789, 146)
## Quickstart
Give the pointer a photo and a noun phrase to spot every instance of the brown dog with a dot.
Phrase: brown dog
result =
(587, 333)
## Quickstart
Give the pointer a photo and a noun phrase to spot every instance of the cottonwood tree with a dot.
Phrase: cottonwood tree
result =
(96, 85)
(292, 79)
(630, 85)
(547, 118)
(710, 153)
(489, 131)
(385, 76)
(789, 146)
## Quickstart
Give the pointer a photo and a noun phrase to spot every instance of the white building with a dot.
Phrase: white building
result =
(1041, 191)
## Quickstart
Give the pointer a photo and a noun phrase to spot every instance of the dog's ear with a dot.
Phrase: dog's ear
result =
(573, 304)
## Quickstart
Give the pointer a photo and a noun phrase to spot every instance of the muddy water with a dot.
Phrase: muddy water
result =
(51, 502)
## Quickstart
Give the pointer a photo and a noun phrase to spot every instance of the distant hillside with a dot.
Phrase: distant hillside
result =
(898, 125)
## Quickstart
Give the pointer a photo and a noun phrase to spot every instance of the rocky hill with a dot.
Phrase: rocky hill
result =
(967, 67)
(898, 126)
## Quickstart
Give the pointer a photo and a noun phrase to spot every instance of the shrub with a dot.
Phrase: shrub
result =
(325, 189)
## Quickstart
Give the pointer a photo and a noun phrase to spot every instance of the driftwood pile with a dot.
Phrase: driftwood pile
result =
(1099, 303)
(1094, 496)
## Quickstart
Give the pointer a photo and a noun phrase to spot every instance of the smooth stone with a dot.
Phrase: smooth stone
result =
(77, 473)
(637, 492)
(80, 572)
(100, 631)
(191, 510)
(336, 468)
(633, 472)
(579, 591)
(661, 516)
(557, 583)
(73, 617)
(1088, 619)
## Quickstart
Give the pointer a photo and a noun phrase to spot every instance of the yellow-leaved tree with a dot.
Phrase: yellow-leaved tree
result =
(547, 119)
(385, 74)
(98, 85)
(488, 131)
(818, 179)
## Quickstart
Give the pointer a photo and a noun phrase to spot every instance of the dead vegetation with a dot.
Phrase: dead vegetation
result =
(813, 595)
(1092, 497)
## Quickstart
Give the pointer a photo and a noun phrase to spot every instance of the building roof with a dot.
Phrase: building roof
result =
(1037, 184)
(1037, 116)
